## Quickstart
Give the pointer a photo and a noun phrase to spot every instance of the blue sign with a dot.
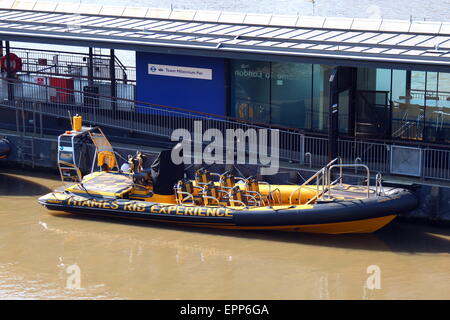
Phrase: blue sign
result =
(198, 83)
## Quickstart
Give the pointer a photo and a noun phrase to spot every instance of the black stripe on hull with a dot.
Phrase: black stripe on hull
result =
(141, 216)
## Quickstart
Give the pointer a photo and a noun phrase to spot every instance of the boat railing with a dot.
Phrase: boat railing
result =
(339, 179)
(321, 178)
(188, 196)
(324, 183)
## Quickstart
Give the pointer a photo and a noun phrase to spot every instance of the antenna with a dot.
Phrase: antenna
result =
(70, 118)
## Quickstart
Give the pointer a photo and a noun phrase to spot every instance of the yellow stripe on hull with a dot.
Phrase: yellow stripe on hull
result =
(358, 226)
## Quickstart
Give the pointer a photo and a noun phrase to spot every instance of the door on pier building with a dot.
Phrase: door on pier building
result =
(372, 112)
(345, 91)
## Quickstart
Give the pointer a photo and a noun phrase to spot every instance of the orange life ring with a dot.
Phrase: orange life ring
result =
(108, 158)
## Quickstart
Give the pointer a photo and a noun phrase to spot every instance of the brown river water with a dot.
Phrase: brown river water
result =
(62, 256)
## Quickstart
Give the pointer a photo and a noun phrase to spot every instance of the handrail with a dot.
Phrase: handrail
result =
(309, 155)
(121, 65)
(358, 160)
(319, 174)
(176, 109)
(324, 186)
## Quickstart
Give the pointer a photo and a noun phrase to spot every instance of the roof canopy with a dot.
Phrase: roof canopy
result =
(227, 34)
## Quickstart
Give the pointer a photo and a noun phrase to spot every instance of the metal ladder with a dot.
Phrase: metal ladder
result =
(26, 151)
(26, 148)
(67, 162)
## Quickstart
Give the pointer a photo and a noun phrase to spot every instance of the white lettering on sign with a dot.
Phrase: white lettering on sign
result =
(178, 71)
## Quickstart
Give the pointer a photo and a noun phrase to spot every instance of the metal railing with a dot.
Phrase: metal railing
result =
(375, 155)
(436, 164)
(340, 177)
(422, 94)
(136, 116)
(72, 64)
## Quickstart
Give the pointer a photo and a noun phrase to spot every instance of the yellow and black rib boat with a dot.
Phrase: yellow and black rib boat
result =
(162, 194)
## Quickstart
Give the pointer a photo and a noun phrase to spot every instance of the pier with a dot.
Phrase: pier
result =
(368, 91)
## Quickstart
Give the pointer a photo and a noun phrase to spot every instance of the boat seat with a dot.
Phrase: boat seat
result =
(203, 176)
(243, 198)
(252, 187)
(227, 181)
(213, 195)
(142, 178)
(186, 191)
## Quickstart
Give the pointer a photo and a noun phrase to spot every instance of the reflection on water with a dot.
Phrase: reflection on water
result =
(12, 185)
(65, 256)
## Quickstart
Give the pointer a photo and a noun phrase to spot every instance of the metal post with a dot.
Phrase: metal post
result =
(9, 73)
(408, 83)
(41, 130)
(34, 118)
(91, 67)
(333, 117)
(112, 74)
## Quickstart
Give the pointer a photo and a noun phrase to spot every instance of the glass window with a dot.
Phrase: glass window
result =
(444, 85)
(250, 90)
(320, 98)
(431, 105)
(432, 84)
(383, 80)
(278, 92)
(291, 94)
(417, 81)
(398, 84)
(443, 118)
(408, 89)
(437, 107)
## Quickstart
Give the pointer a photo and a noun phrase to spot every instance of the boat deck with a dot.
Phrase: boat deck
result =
(104, 183)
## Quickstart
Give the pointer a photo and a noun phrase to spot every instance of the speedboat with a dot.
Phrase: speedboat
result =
(162, 193)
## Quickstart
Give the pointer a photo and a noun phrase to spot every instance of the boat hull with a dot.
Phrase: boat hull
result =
(338, 217)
